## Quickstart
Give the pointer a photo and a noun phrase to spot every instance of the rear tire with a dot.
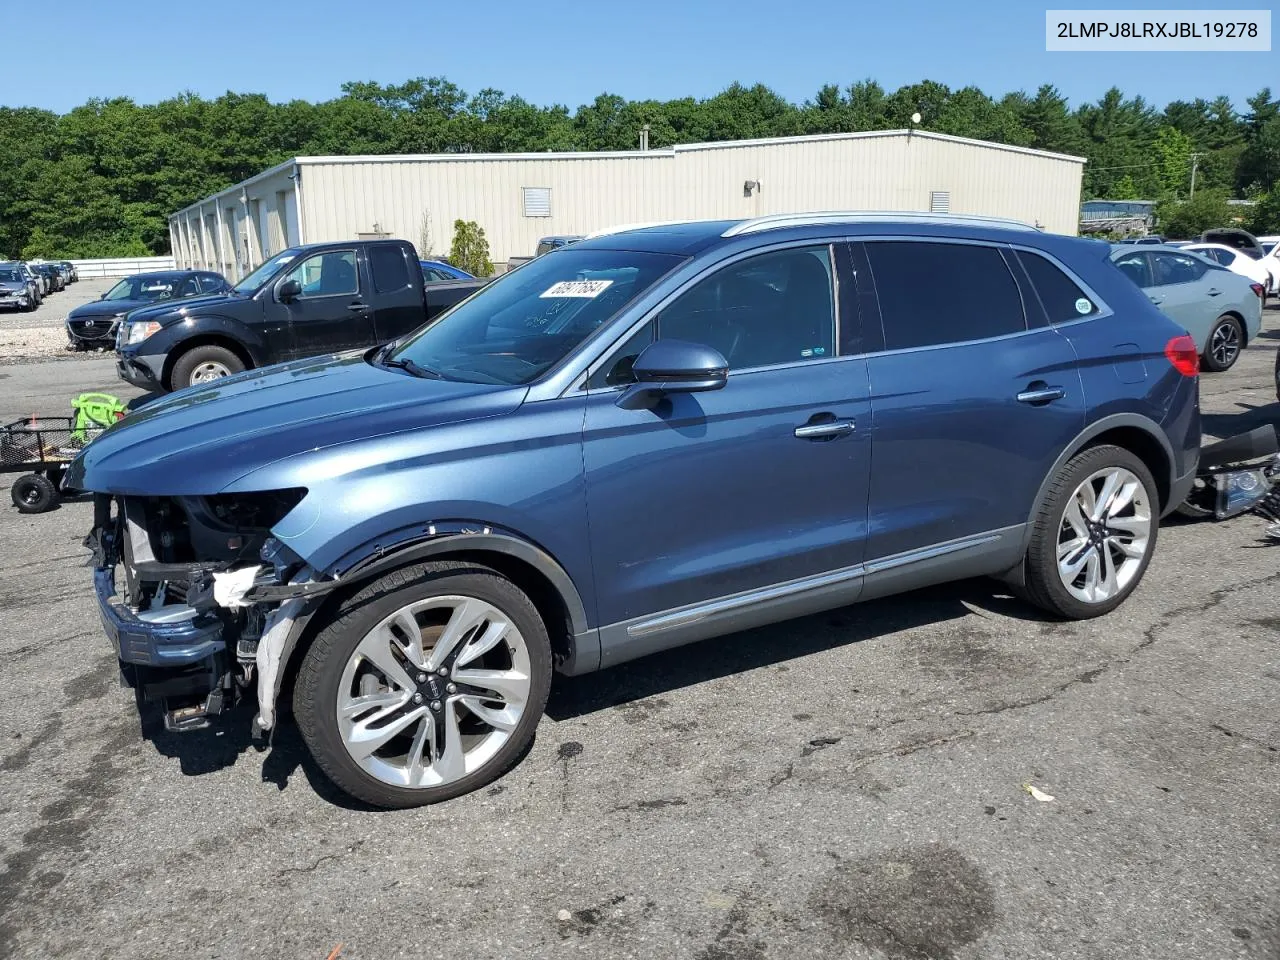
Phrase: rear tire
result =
(1226, 341)
(33, 493)
(204, 364)
(384, 661)
(1114, 549)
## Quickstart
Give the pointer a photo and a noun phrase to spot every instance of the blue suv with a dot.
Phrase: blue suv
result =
(643, 439)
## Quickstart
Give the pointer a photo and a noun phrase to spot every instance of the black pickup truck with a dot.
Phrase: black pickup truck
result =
(306, 300)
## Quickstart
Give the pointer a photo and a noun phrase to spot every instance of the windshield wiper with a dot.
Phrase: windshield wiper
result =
(414, 368)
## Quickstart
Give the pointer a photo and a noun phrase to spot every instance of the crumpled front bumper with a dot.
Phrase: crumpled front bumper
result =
(150, 644)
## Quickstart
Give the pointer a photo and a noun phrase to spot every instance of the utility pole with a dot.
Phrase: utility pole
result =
(1195, 162)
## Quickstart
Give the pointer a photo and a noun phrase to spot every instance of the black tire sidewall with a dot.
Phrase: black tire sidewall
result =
(187, 362)
(48, 493)
(316, 689)
(1042, 556)
(1207, 359)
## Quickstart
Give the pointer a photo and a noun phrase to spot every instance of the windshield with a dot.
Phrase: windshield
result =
(10, 275)
(148, 289)
(256, 279)
(521, 325)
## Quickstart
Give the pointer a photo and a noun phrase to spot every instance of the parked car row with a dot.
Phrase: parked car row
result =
(25, 284)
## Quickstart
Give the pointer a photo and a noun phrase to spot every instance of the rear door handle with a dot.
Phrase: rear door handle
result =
(1041, 393)
(1214, 292)
(820, 431)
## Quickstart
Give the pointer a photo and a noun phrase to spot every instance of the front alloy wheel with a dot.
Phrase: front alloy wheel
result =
(433, 691)
(427, 684)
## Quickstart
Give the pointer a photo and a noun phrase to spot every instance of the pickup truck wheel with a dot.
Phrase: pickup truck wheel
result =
(204, 365)
(427, 684)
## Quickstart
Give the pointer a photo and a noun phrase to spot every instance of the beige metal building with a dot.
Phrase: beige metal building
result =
(518, 198)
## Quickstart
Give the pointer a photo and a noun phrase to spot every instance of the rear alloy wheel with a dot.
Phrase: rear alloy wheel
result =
(1094, 535)
(204, 365)
(1225, 342)
(428, 684)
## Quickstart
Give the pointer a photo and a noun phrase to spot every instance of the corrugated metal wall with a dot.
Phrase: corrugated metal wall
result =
(344, 197)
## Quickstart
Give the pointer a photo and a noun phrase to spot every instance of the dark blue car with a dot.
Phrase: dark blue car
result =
(644, 439)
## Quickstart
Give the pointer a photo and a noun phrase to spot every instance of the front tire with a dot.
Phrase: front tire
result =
(427, 684)
(1226, 340)
(1094, 535)
(204, 365)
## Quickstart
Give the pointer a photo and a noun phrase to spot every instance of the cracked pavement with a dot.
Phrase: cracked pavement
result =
(847, 785)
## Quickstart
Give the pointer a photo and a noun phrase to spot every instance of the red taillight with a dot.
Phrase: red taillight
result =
(1184, 356)
(1259, 289)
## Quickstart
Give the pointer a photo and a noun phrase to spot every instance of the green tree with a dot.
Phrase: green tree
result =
(470, 249)
(1185, 220)
(1266, 215)
(1173, 159)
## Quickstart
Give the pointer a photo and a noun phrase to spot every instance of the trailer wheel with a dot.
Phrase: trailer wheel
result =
(33, 493)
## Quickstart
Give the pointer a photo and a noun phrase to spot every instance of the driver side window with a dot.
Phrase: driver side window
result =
(771, 309)
(331, 274)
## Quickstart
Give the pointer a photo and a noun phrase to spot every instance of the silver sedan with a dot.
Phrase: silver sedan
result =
(1220, 309)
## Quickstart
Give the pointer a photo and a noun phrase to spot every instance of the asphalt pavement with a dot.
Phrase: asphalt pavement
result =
(853, 784)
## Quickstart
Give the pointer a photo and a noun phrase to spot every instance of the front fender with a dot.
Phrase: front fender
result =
(172, 336)
(414, 544)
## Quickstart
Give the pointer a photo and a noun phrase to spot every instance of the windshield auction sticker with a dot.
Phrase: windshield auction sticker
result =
(585, 289)
(1158, 30)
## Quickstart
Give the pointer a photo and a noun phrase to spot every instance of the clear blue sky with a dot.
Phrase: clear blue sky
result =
(567, 51)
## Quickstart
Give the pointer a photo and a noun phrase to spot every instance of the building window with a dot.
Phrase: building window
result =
(940, 201)
(537, 201)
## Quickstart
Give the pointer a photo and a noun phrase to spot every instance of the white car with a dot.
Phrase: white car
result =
(1265, 272)
(1271, 245)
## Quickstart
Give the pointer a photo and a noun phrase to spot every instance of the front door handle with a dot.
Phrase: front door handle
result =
(1156, 300)
(1041, 392)
(821, 431)
(357, 306)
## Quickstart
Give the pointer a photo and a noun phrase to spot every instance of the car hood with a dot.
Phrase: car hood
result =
(201, 440)
(103, 308)
(173, 310)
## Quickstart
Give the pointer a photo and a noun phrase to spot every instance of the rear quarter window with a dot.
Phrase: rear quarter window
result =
(1061, 297)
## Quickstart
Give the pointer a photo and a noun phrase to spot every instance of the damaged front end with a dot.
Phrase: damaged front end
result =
(197, 596)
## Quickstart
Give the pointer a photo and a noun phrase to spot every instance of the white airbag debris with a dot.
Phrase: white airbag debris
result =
(275, 631)
(229, 588)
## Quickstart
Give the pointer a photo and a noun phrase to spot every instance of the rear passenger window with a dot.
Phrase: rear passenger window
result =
(389, 270)
(1177, 268)
(933, 293)
(1061, 296)
(1135, 267)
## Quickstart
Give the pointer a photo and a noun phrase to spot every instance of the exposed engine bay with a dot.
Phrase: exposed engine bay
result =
(204, 584)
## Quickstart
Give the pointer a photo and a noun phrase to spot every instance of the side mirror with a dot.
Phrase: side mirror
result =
(289, 291)
(673, 366)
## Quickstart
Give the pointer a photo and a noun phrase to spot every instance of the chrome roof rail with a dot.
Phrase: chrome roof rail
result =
(779, 220)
